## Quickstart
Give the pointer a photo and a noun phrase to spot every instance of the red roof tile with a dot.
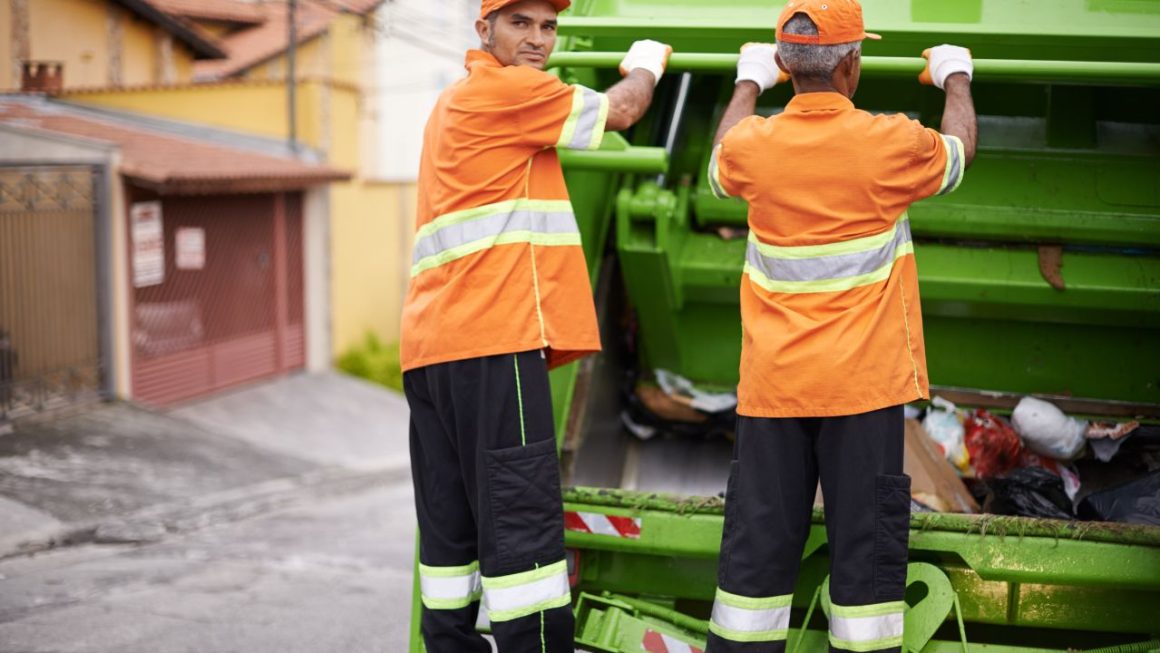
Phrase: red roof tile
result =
(230, 11)
(172, 164)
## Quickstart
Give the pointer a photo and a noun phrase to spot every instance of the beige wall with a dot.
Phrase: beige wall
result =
(77, 33)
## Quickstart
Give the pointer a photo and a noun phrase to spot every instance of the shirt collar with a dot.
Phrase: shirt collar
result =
(481, 58)
(827, 101)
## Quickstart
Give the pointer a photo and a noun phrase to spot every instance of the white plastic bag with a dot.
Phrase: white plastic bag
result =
(1046, 430)
(944, 426)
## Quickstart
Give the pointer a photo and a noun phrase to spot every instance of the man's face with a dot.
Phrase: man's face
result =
(523, 34)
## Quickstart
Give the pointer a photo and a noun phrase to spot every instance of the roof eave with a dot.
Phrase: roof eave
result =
(201, 45)
(177, 185)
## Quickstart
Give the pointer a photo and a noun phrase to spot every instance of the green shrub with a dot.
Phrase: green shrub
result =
(375, 362)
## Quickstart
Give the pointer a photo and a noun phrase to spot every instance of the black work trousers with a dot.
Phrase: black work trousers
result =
(487, 494)
(774, 475)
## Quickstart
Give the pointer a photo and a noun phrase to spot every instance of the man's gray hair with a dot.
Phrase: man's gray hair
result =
(811, 61)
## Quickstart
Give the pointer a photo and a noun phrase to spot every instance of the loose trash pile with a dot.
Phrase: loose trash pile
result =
(1038, 463)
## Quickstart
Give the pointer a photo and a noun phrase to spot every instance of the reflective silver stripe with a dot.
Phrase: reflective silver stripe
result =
(955, 164)
(867, 627)
(821, 268)
(518, 595)
(749, 619)
(584, 127)
(449, 588)
(453, 236)
(715, 175)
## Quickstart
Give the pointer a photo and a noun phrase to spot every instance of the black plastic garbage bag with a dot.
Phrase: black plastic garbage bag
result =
(1027, 492)
(1137, 502)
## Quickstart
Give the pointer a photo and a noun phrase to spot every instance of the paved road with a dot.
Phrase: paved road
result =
(332, 576)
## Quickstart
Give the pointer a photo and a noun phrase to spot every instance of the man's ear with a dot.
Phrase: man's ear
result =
(780, 63)
(482, 28)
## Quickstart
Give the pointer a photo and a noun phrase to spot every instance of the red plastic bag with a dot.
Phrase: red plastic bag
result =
(994, 446)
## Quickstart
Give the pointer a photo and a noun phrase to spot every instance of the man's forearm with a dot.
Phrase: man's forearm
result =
(628, 99)
(743, 105)
(959, 116)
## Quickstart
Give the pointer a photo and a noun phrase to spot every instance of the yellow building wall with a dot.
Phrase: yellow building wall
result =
(76, 32)
(139, 54)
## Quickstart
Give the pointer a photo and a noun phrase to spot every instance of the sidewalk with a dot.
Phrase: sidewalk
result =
(120, 473)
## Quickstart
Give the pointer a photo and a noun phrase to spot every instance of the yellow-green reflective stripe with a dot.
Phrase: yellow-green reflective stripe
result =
(741, 636)
(569, 129)
(533, 238)
(753, 603)
(862, 647)
(446, 572)
(449, 604)
(874, 610)
(509, 206)
(449, 588)
(853, 246)
(867, 627)
(749, 618)
(956, 164)
(518, 595)
(601, 123)
(525, 577)
(827, 285)
(496, 616)
(715, 175)
(584, 127)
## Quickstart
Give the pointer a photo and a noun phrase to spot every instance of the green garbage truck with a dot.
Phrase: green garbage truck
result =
(1040, 275)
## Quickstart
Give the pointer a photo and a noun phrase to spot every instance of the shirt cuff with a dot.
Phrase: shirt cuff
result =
(584, 128)
(715, 184)
(956, 160)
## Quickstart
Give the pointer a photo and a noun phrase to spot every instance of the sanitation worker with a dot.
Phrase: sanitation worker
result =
(832, 334)
(499, 294)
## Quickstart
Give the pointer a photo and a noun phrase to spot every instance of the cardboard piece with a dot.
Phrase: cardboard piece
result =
(933, 480)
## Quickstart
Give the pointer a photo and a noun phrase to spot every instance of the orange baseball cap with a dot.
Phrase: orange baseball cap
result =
(488, 6)
(838, 21)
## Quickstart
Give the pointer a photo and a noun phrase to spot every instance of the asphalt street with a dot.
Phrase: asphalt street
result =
(333, 574)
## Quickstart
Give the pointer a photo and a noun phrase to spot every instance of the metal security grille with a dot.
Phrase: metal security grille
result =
(49, 331)
(217, 291)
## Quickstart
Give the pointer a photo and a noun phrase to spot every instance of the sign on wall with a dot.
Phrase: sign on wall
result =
(189, 248)
(148, 234)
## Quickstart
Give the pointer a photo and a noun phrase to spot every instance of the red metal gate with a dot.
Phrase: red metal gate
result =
(222, 302)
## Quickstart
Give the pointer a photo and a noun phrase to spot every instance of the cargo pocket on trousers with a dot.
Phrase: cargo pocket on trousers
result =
(892, 531)
(524, 492)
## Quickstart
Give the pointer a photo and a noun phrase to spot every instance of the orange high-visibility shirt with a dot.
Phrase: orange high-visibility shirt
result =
(831, 323)
(497, 265)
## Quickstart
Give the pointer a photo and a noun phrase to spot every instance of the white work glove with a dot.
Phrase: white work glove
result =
(758, 64)
(650, 55)
(943, 61)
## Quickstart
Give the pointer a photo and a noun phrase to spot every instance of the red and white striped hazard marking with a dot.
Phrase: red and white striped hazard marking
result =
(599, 524)
(655, 642)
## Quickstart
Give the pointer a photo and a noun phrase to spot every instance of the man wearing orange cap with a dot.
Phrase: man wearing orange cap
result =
(832, 341)
(500, 294)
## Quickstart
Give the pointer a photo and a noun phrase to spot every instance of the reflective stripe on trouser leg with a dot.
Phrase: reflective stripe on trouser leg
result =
(449, 588)
(866, 627)
(750, 619)
(519, 595)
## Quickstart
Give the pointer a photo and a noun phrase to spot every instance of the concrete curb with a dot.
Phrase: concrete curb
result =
(156, 522)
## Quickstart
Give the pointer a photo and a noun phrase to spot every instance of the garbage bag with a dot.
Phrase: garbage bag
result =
(1047, 431)
(992, 444)
(1028, 492)
(1136, 502)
